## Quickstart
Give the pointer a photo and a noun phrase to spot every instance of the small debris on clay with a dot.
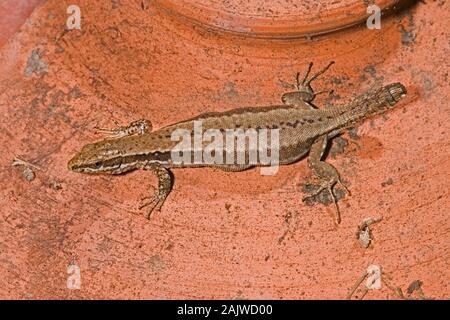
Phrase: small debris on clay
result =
(408, 37)
(370, 69)
(168, 245)
(388, 182)
(55, 185)
(27, 168)
(415, 286)
(230, 90)
(35, 64)
(145, 4)
(376, 277)
(288, 217)
(290, 221)
(239, 296)
(338, 146)
(353, 133)
(75, 93)
(115, 4)
(364, 234)
(338, 80)
(364, 237)
(157, 264)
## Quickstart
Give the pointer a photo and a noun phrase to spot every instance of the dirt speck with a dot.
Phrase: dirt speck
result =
(35, 64)
(230, 90)
(338, 146)
(75, 93)
(370, 69)
(414, 286)
(26, 168)
(290, 222)
(338, 80)
(157, 264)
(115, 4)
(408, 37)
(353, 133)
(388, 182)
(364, 234)
(239, 295)
(54, 184)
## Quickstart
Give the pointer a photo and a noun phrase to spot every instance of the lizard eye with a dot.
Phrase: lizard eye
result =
(98, 165)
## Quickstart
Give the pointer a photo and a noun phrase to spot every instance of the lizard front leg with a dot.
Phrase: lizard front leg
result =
(136, 127)
(165, 182)
(304, 95)
(326, 173)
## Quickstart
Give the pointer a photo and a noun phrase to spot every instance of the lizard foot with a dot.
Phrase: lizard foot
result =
(305, 92)
(328, 185)
(136, 127)
(154, 203)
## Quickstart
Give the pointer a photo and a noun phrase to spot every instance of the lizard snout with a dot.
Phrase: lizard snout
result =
(74, 163)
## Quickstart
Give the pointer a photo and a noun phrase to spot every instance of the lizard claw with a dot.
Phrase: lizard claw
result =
(344, 186)
(304, 90)
(328, 185)
(315, 193)
(154, 203)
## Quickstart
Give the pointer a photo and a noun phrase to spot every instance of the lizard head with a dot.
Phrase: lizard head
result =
(95, 158)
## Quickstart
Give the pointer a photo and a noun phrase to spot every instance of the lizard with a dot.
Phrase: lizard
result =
(304, 130)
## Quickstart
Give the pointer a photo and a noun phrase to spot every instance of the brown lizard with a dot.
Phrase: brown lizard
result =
(301, 126)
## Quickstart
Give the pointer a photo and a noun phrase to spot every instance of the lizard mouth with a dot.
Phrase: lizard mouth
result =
(75, 165)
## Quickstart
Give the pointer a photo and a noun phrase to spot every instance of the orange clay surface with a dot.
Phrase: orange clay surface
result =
(221, 235)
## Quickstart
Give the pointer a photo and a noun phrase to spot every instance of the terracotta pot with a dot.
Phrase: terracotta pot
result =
(221, 235)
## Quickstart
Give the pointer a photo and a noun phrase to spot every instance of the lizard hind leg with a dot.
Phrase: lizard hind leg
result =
(326, 173)
(136, 127)
(305, 92)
